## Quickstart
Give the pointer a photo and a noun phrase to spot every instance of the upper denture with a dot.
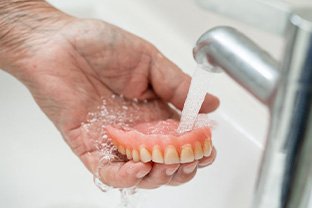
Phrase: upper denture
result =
(159, 142)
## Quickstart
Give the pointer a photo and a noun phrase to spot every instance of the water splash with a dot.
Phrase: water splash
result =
(123, 113)
(116, 111)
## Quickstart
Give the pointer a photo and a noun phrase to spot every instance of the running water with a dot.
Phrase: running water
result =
(195, 98)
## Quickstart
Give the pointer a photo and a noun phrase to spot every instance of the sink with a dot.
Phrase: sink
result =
(39, 170)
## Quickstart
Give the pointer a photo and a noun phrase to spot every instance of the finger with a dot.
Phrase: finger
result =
(211, 103)
(161, 174)
(171, 84)
(206, 161)
(124, 174)
(185, 173)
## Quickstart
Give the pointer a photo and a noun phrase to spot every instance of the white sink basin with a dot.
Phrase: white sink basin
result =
(38, 170)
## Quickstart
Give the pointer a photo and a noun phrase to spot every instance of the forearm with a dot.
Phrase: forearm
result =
(23, 26)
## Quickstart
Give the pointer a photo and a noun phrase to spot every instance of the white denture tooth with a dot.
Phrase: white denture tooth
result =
(128, 153)
(198, 151)
(157, 155)
(145, 155)
(121, 149)
(135, 156)
(187, 154)
(171, 155)
(207, 147)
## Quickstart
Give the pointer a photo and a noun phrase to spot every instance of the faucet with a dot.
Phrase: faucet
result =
(285, 174)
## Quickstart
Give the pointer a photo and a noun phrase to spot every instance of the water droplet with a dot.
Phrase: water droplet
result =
(101, 185)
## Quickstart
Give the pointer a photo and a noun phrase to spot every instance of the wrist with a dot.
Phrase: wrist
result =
(25, 26)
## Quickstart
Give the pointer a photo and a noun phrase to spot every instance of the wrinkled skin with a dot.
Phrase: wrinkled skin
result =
(69, 69)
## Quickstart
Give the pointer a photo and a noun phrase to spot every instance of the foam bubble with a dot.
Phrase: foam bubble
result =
(203, 120)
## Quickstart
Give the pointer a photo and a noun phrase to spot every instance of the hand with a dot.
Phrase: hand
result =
(72, 67)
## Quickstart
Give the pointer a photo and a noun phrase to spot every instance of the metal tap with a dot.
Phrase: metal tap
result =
(285, 176)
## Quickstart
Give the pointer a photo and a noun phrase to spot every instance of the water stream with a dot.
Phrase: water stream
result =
(195, 99)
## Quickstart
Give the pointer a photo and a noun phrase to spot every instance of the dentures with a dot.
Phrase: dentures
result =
(159, 142)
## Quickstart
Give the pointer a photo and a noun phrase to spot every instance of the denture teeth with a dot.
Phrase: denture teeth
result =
(187, 154)
(128, 153)
(171, 155)
(198, 151)
(207, 148)
(145, 155)
(157, 155)
(135, 155)
(121, 149)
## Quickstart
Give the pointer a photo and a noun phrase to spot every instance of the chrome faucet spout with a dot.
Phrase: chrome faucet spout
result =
(285, 177)
(242, 59)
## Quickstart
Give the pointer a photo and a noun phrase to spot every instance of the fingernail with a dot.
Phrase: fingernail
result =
(142, 173)
(190, 168)
(171, 171)
(206, 163)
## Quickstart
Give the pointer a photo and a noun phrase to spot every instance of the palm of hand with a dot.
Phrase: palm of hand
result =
(90, 60)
